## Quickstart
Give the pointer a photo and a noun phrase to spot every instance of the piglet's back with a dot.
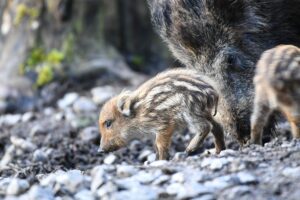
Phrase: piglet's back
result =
(175, 89)
(279, 67)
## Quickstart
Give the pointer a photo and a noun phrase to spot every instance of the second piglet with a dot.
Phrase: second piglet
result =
(167, 103)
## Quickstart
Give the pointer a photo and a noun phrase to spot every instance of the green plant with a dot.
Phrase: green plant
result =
(23, 11)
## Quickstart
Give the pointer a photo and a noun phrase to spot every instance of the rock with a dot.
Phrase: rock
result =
(140, 193)
(144, 154)
(291, 172)
(205, 197)
(238, 191)
(220, 182)
(178, 177)
(40, 193)
(215, 163)
(67, 100)
(71, 180)
(10, 120)
(102, 94)
(246, 178)
(22, 144)
(39, 156)
(180, 156)
(228, 152)
(8, 156)
(90, 134)
(84, 105)
(161, 180)
(190, 190)
(37, 130)
(151, 158)
(28, 116)
(107, 189)
(147, 177)
(110, 159)
(84, 195)
(126, 170)
(158, 163)
(4, 183)
(99, 177)
(17, 186)
(50, 180)
(49, 111)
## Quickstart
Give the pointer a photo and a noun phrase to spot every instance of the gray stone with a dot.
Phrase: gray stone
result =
(291, 172)
(140, 193)
(161, 180)
(99, 177)
(110, 159)
(3, 106)
(17, 186)
(158, 163)
(107, 189)
(22, 144)
(84, 105)
(50, 180)
(37, 130)
(102, 94)
(151, 157)
(39, 156)
(10, 119)
(144, 154)
(40, 193)
(49, 111)
(178, 177)
(246, 178)
(67, 100)
(190, 190)
(228, 152)
(89, 134)
(215, 163)
(72, 180)
(126, 170)
(4, 183)
(220, 182)
(147, 177)
(206, 197)
(26, 117)
(180, 156)
(8, 156)
(84, 195)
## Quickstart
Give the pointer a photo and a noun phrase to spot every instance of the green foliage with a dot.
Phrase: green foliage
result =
(45, 75)
(43, 64)
(25, 11)
(68, 46)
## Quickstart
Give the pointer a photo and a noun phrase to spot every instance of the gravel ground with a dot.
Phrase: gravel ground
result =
(53, 155)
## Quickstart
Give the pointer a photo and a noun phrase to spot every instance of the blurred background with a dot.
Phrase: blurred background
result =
(50, 46)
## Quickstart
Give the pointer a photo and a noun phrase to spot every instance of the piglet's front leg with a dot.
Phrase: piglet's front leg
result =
(163, 142)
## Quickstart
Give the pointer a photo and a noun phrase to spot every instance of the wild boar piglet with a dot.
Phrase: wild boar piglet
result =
(169, 102)
(277, 87)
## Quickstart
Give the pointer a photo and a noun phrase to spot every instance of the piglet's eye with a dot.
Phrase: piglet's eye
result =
(108, 123)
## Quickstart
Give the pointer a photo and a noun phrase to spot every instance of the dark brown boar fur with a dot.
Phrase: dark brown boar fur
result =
(223, 39)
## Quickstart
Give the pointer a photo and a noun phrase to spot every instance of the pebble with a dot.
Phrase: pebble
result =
(158, 163)
(84, 195)
(67, 100)
(84, 105)
(106, 189)
(39, 156)
(246, 178)
(102, 94)
(99, 177)
(110, 159)
(23, 144)
(140, 193)
(291, 172)
(28, 116)
(178, 177)
(90, 134)
(144, 154)
(37, 130)
(40, 193)
(17, 186)
(4, 183)
(147, 177)
(71, 180)
(126, 170)
(10, 119)
(161, 180)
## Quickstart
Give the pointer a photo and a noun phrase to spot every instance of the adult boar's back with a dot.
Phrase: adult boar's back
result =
(224, 39)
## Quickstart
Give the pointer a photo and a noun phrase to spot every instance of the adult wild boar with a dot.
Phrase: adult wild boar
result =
(223, 39)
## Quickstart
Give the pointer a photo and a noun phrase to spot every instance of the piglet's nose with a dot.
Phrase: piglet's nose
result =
(100, 150)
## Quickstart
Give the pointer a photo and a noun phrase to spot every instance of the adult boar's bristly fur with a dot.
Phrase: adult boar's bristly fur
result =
(167, 103)
(277, 87)
(223, 39)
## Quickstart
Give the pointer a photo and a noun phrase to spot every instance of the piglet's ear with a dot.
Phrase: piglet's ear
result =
(124, 103)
